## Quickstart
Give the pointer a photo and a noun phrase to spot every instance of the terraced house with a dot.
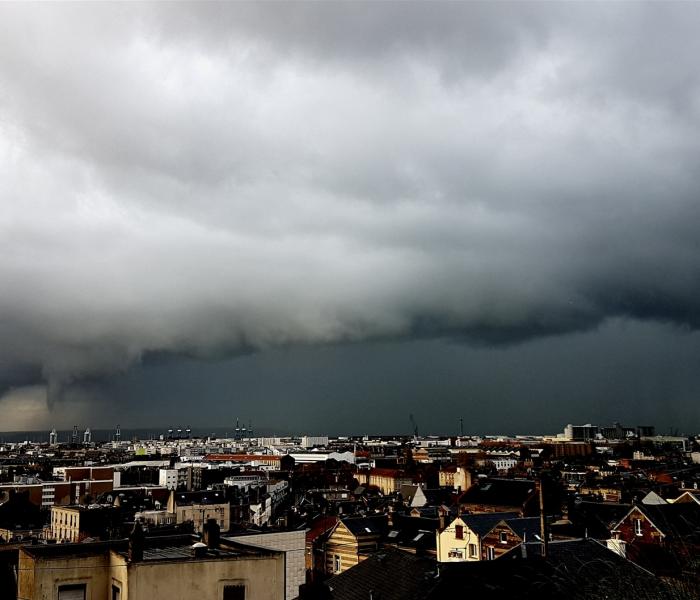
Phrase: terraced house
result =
(351, 541)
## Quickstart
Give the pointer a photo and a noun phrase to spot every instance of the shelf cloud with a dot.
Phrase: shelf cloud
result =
(210, 179)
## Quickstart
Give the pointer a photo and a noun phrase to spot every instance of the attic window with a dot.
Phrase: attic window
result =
(419, 536)
(368, 530)
(393, 533)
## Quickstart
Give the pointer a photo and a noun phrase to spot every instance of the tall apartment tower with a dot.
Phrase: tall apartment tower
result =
(74, 435)
(87, 436)
(53, 437)
(118, 434)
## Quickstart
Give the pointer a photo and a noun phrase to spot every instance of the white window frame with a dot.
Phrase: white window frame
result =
(638, 531)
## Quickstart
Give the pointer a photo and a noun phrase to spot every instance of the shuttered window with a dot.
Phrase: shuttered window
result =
(234, 592)
(71, 592)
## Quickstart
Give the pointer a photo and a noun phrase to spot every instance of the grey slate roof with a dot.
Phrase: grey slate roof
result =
(388, 575)
(483, 523)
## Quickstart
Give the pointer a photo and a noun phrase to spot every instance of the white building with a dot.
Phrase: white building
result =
(168, 478)
(308, 441)
(245, 480)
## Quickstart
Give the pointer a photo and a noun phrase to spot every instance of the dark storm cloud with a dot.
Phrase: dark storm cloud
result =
(209, 179)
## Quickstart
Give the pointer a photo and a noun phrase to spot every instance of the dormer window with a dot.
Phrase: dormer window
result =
(459, 532)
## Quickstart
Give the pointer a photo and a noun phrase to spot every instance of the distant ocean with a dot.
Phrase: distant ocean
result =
(107, 435)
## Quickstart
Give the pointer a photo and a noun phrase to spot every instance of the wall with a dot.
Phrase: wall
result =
(493, 539)
(172, 580)
(39, 578)
(650, 535)
(293, 544)
(448, 542)
(184, 580)
(200, 513)
(351, 549)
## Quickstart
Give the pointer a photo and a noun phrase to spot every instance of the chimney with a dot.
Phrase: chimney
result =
(211, 533)
(136, 543)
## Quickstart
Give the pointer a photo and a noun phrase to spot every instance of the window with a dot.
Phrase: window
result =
(72, 592)
(336, 564)
(459, 532)
(116, 593)
(472, 550)
(234, 592)
(490, 553)
(638, 527)
(503, 537)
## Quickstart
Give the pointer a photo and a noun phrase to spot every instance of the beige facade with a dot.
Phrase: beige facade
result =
(201, 513)
(387, 480)
(458, 543)
(458, 478)
(65, 523)
(102, 572)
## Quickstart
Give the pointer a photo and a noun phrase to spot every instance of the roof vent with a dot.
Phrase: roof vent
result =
(199, 550)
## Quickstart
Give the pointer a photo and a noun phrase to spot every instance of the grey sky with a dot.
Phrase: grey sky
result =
(207, 180)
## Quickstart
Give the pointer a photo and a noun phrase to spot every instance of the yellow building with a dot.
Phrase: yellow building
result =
(387, 480)
(351, 541)
(168, 567)
(461, 540)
